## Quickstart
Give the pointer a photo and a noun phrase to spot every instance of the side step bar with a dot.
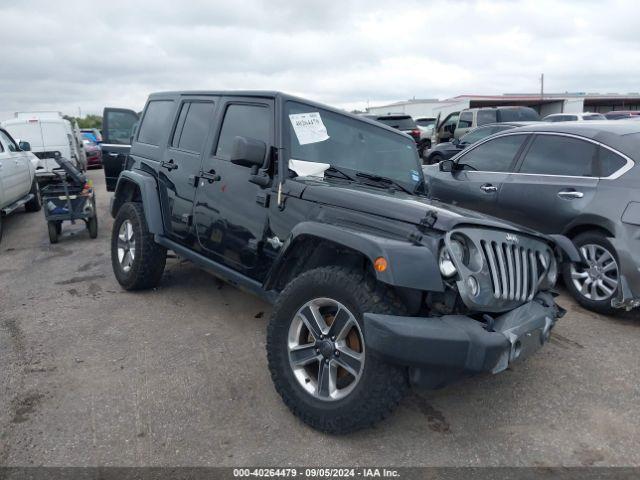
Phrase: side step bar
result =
(225, 273)
(18, 204)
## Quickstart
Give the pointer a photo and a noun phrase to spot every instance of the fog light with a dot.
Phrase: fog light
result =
(472, 283)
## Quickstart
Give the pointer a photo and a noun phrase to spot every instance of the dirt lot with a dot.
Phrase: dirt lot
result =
(92, 375)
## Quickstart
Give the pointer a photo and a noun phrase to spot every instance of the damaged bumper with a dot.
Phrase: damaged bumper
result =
(440, 350)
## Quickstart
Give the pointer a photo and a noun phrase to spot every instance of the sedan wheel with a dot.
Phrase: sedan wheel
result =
(598, 279)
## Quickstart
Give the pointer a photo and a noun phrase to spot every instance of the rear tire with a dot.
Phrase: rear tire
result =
(34, 204)
(593, 286)
(92, 226)
(53, 228)
(378, 386)
(434, 159)
(137, 260)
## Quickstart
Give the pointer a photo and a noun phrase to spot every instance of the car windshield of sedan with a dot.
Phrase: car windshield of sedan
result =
(353, 146)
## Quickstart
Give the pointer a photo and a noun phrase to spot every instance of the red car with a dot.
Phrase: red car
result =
(94, 154)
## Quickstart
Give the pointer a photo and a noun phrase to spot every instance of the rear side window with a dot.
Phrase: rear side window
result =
(466, 120)
(252, 121)
(400, 122)
(610, 162)
(594, 117)
(562, 118)
(495, 155)
(560, 155)
(193, 125)
(155, 122)
(520, 114)
(486, 116)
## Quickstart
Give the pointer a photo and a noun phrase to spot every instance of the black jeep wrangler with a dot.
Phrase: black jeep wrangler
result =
(324, 215)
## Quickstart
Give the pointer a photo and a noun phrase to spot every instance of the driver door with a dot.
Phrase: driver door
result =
(230, 211)
(479, 174)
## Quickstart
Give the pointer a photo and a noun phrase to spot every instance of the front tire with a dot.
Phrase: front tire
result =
(595, 284)
(318, 359)
(137, 260)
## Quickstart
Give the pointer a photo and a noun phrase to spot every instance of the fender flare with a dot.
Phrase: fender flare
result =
(148, 194)
(409, 266)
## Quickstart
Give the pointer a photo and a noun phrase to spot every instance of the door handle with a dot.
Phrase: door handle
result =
(570, 194)
(488, 188)
(170, 165)
(210, 176)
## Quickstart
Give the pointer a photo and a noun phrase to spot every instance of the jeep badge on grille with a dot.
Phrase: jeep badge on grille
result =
(512, 238)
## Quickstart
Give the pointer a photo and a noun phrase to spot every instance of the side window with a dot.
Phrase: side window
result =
(560, 155)
(193, 125)
(243, 120)
(466, 120)
(8, 142)
(486, 116)
(610, 162)
(495, 155)
(155, 121)
(119, 127)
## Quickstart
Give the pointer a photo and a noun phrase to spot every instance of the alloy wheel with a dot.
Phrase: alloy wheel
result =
(126, 246)
(598, 279)
(326, 349)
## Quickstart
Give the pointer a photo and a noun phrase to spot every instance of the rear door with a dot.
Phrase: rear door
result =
(117, 129)
(180, 166)
(554, 182)
(479, 174)
(465, 123)
(230, 211)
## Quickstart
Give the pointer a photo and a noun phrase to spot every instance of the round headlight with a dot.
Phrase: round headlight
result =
(447, 267)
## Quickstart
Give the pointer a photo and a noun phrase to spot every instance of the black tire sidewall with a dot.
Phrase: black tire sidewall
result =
(127, 212)
(53, 231)
(348, 289)
(600, 306)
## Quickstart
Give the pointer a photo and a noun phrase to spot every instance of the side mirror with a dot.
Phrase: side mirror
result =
(24, 146)
(447, 166)
(456, 141)
(248, 152)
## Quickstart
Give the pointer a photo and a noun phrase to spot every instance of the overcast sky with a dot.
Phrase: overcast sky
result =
(69, 54)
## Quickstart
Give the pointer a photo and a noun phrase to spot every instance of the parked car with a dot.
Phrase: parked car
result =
(573, 117)
(404, 123)
(18, 184)
(426, 126)
(577, 179)
(621, 114)
(47, 133)
(92, 134)
(446, 150)
(93, 153)
(322, 214)
(456, 124)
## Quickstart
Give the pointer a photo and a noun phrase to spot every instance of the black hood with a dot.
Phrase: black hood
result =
(397, 205)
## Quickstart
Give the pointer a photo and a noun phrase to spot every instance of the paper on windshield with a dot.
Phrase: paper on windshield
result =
(309, 127)
(308, 169)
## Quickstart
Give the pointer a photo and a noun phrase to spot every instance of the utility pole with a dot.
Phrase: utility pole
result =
(79, 113)
(541, 86)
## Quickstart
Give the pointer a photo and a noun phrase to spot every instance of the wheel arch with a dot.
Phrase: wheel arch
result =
(142, 188)
(313, 244)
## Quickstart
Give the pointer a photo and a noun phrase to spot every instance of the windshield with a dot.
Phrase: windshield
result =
(349, 144)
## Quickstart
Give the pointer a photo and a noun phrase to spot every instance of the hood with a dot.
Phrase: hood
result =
(398, 205)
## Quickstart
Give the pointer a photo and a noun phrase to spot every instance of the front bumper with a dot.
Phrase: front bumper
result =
(440, 350)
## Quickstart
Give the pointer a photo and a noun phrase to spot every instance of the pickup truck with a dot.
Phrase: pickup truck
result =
(323, 214)
(18, 184)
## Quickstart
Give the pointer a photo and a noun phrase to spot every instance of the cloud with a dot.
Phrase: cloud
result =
(346, 53)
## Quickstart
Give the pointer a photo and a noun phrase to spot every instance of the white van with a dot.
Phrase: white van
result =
(48, 133)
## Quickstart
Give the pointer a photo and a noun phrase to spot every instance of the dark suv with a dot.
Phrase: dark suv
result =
(577, 179)
(322, 214)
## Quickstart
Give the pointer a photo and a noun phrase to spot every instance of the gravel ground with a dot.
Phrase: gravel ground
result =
(92, 375)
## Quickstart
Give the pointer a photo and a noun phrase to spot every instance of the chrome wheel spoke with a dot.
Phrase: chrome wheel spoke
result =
(349, 360)
(304, 355)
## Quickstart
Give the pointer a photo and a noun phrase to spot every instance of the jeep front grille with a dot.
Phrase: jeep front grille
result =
(507, 267)
(515, 271)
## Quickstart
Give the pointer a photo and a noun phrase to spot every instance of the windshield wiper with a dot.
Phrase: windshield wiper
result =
(385, 180)
(333, 169)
